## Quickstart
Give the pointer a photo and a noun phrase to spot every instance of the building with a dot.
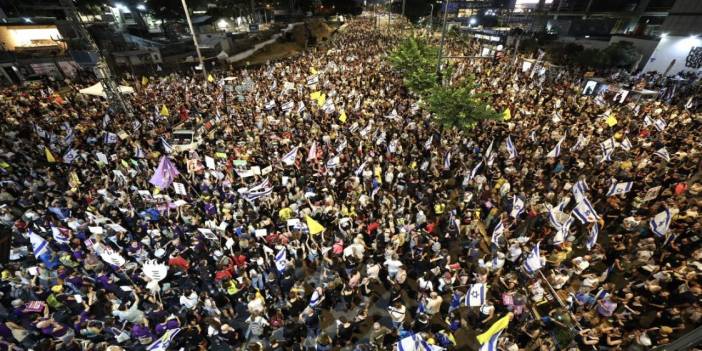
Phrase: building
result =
(680, 46)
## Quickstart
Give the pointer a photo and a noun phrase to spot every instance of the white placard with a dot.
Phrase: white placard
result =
(267, 170)
(179, 188)
(256, 170)
(261, 233)
(210, 162)
(102, 158)
(96, 230)
(179, 203)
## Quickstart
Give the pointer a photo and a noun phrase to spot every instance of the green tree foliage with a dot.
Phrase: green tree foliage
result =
(459, 106)
(455, 106)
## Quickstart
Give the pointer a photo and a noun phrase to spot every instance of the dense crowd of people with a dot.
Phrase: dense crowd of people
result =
(320, 208)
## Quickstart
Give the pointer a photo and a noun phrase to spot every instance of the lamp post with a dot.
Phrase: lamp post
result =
(431, 18)
(443, 34)
(192, 31)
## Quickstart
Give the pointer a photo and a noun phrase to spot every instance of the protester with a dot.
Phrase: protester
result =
(306, 214)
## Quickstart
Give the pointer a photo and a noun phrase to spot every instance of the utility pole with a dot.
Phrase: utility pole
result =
(101, 70)
(197, 47)
(403, 9)
(431, 20)
(443, 35)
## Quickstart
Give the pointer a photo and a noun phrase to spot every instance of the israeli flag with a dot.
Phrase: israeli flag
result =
(580, 144)
(618, 188)
(166, 146)
(563, 231)
(585, 212)
(316, 299)
(110, 138)
(659, 124)
(281, 261)
(70, 156)
(491, 344)
(663, 153)
(58, 235)
(517, 206)
(511, 148)
(360, 168)
(427, 144)
(488, 151)
(39, 245)
(139, 152)
(626, 144)
(647, 121)
(556, 214)
(474, 172)
(289, 158)
(270, 105)
(288, 106)
(301, 107)
(313, 80)
(660, 223)
(447, 161)
(608, 146)
(366, 130)
(592, 237)
(329, 106)
(497, 233)
(333, 162)
(475, 296)
(392, 147)
(579, 190)
(533, 261)
(342, 146)
(556, 150)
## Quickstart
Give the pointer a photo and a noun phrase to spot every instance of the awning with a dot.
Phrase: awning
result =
(96, 90)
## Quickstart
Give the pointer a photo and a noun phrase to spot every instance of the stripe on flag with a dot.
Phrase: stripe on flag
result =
(661, 222)
(511, 148)
(289, 158)
(585, 212)
(663, 153)
(533, 261)
(618, 188)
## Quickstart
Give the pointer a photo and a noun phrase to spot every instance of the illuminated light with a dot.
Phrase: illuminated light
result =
(473, 21)
(664, 35)
(27, 19)
(141, 7)
(587, 37)
(222, 24)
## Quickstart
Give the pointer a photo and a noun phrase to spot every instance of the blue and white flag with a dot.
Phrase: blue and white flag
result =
(511, 148)
(415, 342)
(476, 295)
(313, 80)
(342, 146)
(474, 172)
(556, 215)
(497, 233)
(447, 161)
(70, 156)
(392, 147)
(661, 222)
(592, 237)
(618, 188)
(333, 162)
(626, 144)
(289, 158)
(585, 212)
(580, 144)
(663, 153)
(110, 138)
(164, 341)
(491, 344)
(517, 206)
(375, 187)
(139, 152)
(579, 190)
(167, 148)
(488, 151)
(288, 106)
(39, 245)
(59, 236)
(659, 124)
(533, 261)
(281, 260)
(301, 107)
(360, 168)
(647, 121)
(563, 231)
(556, 150)
(427, 144)
(269, 105)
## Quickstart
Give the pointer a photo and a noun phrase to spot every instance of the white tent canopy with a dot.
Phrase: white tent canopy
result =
(96, 90)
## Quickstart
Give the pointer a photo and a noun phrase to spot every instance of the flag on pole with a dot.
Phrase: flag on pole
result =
(506, 114)
(447, 161)
(511, 148)
(39, 245)
(360, 168)
(659, 124)
(59, 236)
(533, 261)
(164, 111)
(661, 222)
(592, 237)
(488, 151)
(427, 144)
(663, 153)
(343, 117)
(618, 188)
(474, 172)
(476, 295)
(579, 190)
(585, 212)
(580, 144)
(333, 162)
(289, 158)
(556, 150)
(517, 206)
(556, 215)
(491, 344)
(626, 144)
(165, 173)
(70, 156)
(563, 231)
(167, 148)
(314, 226)
(497, 233)
(495, 328)
(281, 261)
(49, 156)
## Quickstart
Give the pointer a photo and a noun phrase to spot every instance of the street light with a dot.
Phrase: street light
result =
(141, 7)
(192, 31)
(443, 35)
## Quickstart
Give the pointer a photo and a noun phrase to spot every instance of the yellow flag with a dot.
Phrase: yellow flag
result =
(312, 70)
(314, 226)
(322, 98)
(73, 179)
(611, 120)
(125, 164)
(220, 155)
(495, 328)
(164, 111)
(343, 117)
(144, 80)
(507, 115)
(49, 156)
(210, 78)
(315, 95)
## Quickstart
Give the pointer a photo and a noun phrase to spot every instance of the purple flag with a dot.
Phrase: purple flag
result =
(165, 173)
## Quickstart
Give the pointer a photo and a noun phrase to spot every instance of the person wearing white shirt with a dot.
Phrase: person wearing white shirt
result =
(392, 264)
(189, 299)
(397, 313)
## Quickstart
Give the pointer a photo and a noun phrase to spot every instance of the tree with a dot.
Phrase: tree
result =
(621, 54)
(416, 61)
(459, 106)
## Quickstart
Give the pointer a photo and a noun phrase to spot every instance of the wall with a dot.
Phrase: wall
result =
(674, 48)
(644, 46)
(684, 18)
(28, 36)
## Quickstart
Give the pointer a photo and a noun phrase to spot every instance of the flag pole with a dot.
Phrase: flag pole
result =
(192, 31)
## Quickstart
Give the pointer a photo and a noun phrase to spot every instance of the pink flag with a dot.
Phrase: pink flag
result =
(312, 155)
(165, 173)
